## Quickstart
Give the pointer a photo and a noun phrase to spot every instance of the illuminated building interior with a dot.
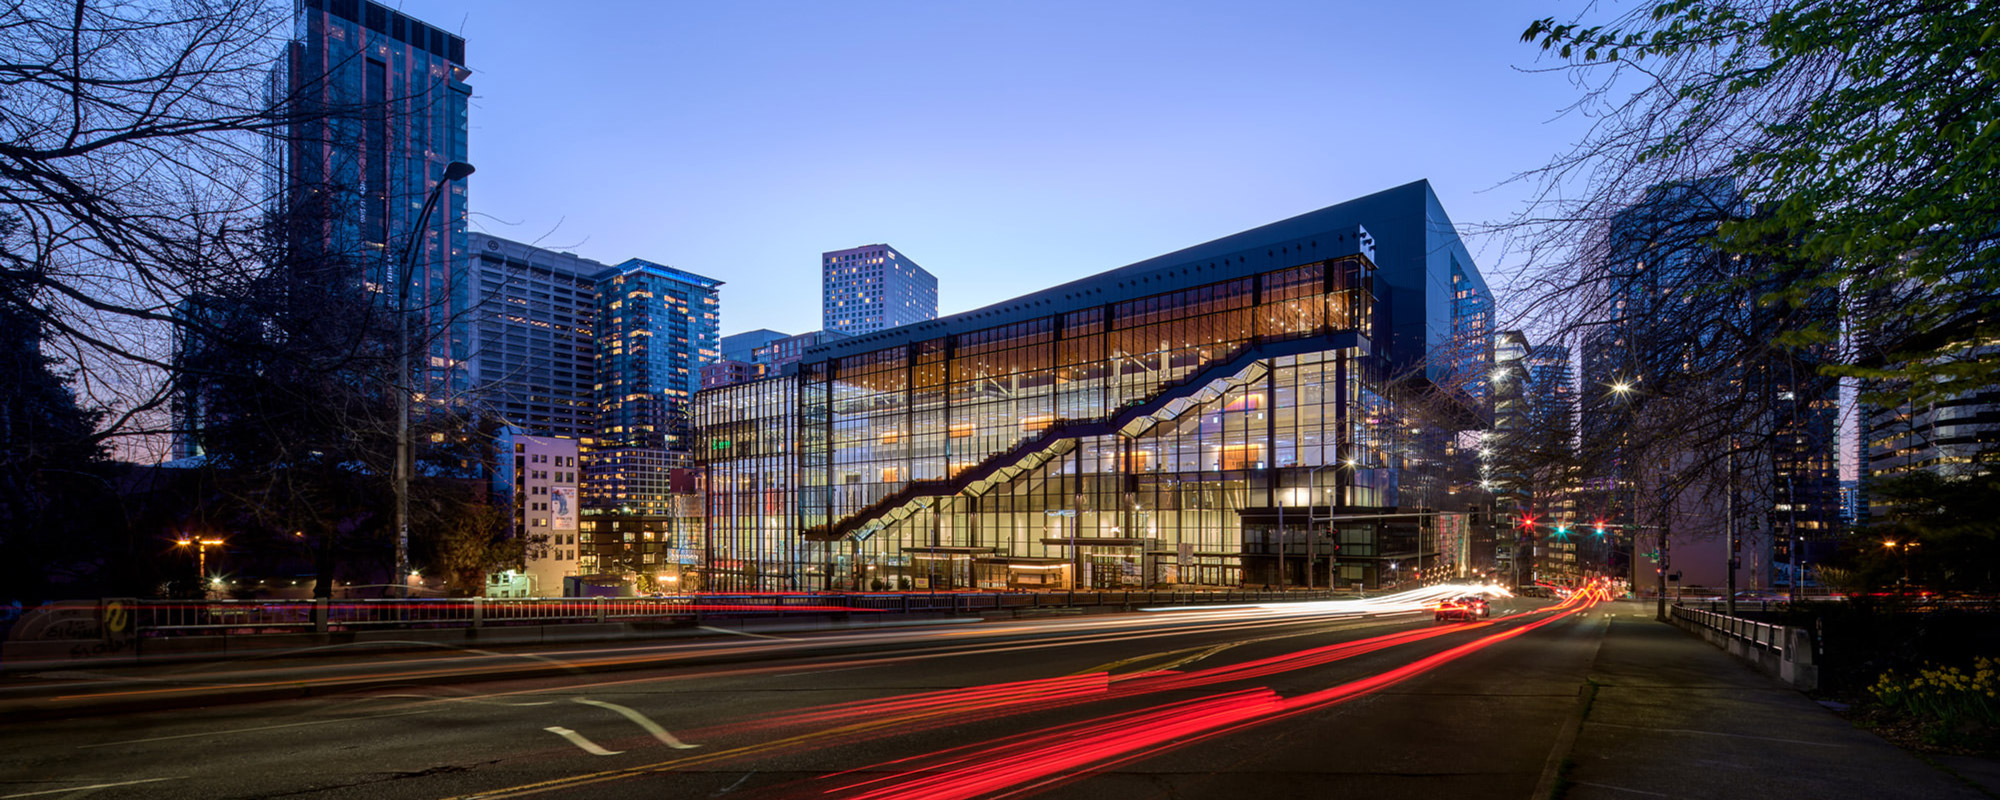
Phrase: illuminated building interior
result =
(1185, 421)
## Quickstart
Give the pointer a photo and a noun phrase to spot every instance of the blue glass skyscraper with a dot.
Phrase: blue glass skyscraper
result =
(383, 108)
(656, 326)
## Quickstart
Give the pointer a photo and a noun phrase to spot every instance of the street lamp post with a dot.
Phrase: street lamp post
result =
(1904, 549)
(201, 557)
(456, 170)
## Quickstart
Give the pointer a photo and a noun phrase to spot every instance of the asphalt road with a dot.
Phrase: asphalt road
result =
(1194, 703)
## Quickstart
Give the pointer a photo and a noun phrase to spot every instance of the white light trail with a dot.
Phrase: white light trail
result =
(1420, 599)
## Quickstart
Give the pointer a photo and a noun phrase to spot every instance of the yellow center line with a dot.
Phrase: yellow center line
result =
(1200, 652)
(605, 776)
(588, 779)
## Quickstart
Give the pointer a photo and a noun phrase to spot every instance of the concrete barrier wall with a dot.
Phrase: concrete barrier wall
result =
(1791, 662)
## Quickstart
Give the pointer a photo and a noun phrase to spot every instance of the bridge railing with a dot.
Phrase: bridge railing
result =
(1761, 634)
(1786, 652)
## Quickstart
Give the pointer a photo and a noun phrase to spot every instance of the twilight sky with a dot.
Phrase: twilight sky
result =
(1003, 146)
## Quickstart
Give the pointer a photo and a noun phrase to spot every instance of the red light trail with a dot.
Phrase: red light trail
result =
(1030, 761)
(1024, 762)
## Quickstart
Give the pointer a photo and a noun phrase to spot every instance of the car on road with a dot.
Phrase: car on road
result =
(1479, 604)
(1456, 609)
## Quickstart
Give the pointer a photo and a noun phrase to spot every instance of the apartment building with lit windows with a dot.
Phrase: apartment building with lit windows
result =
(873, 287)
(1229, 414)
(656, 327)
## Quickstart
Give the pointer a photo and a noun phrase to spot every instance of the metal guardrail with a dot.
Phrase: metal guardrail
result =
(165, 618)
(1761, 634)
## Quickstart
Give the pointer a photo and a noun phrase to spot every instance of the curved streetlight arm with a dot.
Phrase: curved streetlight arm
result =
(455, 170)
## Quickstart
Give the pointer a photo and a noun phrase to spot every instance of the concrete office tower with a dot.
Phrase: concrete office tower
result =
(656, 328)
(538, 476)
(532, 343)
(872, 288)
(360, 177)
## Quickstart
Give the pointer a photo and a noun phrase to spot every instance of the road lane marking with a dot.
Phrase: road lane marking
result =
(1203, 651)
(832, 734)
(822, 671)
(86, 788)
(642, 721)
(732, 787)
(476, 699)
(1619, 788)
(747, 633)
(249, 730)
(575, 739)
(1196, 653)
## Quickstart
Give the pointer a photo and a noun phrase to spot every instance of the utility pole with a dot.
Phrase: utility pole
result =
(1729, 557)
(1281, 544)
(456, 170)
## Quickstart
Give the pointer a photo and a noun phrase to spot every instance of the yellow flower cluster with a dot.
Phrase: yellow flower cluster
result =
(1945, 693)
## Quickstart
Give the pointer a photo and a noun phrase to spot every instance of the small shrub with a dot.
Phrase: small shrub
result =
(1952, 703)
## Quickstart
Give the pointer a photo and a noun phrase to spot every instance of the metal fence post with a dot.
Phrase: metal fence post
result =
(479, 612)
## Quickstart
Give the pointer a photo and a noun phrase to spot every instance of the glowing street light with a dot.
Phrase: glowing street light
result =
(201, 551)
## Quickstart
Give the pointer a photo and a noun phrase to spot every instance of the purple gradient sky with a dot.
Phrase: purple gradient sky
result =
(1003, 146)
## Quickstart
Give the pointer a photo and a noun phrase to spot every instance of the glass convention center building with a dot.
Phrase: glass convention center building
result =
(1276, 407)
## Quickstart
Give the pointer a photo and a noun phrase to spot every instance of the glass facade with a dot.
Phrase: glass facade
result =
(397, 101)
(656, 327)
(1182, 437)
(1472, 335)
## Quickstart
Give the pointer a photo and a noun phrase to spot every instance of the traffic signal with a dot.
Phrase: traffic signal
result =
(1562, 531)
(1598, 526)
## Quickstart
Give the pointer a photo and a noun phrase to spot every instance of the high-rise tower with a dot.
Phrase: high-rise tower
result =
(382, 103)
(531, 354)
(656, 326)
(873, 287)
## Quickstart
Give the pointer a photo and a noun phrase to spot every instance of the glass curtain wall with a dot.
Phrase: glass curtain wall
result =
(940, 432)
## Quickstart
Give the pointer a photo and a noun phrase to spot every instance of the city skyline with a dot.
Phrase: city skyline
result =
(986, 155)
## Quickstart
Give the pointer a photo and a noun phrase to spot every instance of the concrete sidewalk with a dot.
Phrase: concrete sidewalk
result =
(1674, 716)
